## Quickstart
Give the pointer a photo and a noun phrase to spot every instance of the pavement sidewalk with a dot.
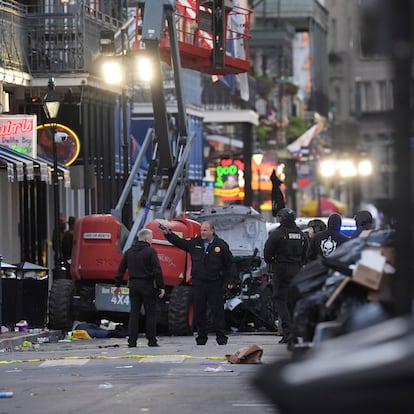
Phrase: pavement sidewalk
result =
(50, 344)
(10, 340)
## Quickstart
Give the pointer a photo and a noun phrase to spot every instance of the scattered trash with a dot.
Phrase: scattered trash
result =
(109, 346)
(105, 386)
(218, 369)
(22, 326)
(80, 334)
(4, 329)
(6, 394)
(27, 344)
(251, 354)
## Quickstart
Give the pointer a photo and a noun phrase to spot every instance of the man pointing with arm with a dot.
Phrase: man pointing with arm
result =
(213, 267)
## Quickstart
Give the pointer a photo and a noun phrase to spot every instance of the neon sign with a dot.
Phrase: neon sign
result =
(67, 152)
(229, 182)
(18, 132)
(223, 172)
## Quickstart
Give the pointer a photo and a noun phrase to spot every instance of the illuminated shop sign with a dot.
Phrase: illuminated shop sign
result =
(229, 182)
(67, 151)
(18, 132)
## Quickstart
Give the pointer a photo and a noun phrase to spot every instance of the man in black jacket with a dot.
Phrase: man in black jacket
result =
(326, 242)
(364, 223)
(212, 267)
(145, 284)
(285, 248)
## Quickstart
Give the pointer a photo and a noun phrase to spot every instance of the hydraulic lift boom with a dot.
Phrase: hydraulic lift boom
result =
(158, 15)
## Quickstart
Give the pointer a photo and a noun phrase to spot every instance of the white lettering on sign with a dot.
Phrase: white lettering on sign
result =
(295, 236)
(120, 300)
(167, 260)
(104, 236)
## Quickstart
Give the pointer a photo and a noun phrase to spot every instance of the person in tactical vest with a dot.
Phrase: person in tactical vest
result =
(285, 249)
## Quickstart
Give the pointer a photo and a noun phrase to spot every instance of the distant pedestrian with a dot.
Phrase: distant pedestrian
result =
(285, 248)
(67, 239)
(212, 267)
(364, 223)
(278, 201)
(326, 242)
(145, 285)
(60, 231)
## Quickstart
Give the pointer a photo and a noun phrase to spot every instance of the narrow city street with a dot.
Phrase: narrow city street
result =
(105, 376)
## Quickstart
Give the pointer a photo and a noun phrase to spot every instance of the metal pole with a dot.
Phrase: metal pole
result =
(55, 179)
(259, 189)
(400, 21)
(126, 213)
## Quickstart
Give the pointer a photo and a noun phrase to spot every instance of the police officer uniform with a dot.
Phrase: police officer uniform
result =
(285, 249)
(212, 267)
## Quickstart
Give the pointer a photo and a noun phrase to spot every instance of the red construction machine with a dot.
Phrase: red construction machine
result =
(209, 36)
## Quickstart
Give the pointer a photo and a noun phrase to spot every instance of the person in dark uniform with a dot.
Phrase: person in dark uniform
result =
(285, 248)
(326, 242)
(364, 223)
(213, 267)
(145, 284)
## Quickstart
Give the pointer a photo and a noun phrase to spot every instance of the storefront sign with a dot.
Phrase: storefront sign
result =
(18, 132)
(67, 150)
(229, 182)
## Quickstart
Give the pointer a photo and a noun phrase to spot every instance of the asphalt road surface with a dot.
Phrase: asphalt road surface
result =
(105, 376)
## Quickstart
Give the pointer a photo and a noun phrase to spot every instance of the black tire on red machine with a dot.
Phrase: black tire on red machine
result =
(180, 311)
(61, 304)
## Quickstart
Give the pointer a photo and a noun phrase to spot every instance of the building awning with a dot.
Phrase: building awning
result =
(305, 139)
(21, 166)
(220, 139)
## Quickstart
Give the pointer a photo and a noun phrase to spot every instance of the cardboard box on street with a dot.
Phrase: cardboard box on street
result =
(367, 276)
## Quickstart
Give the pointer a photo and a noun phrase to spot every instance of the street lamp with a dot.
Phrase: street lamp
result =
(350, 170)
(51, 105)
(258, 158)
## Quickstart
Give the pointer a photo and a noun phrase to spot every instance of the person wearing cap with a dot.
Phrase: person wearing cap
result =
(364, 223)
(326, 242)
(285, 249)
